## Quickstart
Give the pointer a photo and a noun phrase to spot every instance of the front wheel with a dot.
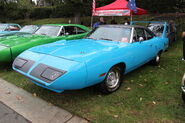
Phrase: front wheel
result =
(112, 81)
(156, 60)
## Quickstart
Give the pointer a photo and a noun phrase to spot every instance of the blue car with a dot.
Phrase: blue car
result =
(8, 28)
(102, 58)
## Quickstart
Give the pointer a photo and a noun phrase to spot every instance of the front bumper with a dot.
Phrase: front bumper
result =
(74, 76)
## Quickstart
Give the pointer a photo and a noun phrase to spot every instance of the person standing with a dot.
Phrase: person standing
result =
(101, 22)
(126, 21)
(183, 39)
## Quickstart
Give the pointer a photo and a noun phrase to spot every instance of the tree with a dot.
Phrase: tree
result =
(78, 8)
(158, 6)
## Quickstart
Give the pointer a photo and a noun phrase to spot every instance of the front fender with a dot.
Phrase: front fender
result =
(6, 54)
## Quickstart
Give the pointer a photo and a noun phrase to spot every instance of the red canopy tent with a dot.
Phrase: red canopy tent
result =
(117, 8)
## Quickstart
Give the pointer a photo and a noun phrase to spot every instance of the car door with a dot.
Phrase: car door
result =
(143, 50)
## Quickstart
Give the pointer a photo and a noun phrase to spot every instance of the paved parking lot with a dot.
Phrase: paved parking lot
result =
(7, 115)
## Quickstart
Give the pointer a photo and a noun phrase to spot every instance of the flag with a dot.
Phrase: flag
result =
(132, 5)
(93, 7)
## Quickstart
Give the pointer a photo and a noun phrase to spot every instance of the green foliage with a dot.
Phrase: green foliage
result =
(70, 8)
(158, 6)
(15, 10)
(42, 12)
(73, 7)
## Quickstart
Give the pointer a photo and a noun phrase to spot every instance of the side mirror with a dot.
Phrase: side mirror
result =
(141, 39)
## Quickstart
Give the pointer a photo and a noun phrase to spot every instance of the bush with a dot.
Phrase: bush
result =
(40, 13)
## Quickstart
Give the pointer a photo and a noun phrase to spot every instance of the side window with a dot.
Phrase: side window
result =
(13, 28)
(149, 35)
(139, 35)
(70, 30)
(79, 30)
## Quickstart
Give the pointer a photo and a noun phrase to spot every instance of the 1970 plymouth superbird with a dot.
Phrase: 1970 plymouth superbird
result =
(102, 58)
(12, 46)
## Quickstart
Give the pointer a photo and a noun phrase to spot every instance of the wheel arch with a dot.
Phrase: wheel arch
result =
(122, 65)
(160, 51)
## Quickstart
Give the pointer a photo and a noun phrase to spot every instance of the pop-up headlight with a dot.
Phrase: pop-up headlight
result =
(19, 63)
(23, 64)
(52, 74)
(46, 73)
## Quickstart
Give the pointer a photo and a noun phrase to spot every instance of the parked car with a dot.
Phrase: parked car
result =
(12, 46)
(8, 28)
(25, 30)
(157, 28)
(103, 57)
(183, 88)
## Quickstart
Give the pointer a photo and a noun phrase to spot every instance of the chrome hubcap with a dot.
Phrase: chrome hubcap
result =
(113, 79)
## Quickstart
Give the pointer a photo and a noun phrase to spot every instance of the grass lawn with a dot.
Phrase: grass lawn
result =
(149, 94)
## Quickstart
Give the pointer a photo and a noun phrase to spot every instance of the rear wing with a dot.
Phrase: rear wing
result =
(152, 22)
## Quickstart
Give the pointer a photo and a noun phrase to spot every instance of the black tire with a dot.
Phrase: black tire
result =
(183, 97)
(156, 60)
(105, 87)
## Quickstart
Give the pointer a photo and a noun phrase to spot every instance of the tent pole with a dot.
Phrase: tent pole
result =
(91, 21)
(131, 19)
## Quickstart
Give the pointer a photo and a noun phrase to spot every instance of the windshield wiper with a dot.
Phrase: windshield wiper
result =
(106, 39)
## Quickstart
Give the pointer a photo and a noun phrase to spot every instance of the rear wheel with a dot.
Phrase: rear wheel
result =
(112, 81)
(157, 59)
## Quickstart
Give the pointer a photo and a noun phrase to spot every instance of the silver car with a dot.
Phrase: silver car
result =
(157, 28)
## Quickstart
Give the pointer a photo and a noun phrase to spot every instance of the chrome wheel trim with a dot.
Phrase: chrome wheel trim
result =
(113, 79)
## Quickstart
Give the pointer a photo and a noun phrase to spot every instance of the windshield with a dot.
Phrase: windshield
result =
(121, 34)
(2, 27)
(48, 30)
(29, 29)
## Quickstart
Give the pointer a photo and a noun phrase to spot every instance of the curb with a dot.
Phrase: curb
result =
(33, 108)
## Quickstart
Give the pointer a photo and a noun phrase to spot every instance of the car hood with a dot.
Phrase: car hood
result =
(14, 40)
(78, 50)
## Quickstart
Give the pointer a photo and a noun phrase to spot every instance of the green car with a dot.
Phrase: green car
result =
(12, 46)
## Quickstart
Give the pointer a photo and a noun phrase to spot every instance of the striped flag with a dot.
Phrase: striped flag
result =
(93, 7)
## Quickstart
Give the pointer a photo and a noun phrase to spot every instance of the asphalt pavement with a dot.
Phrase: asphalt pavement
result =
(7, 115)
